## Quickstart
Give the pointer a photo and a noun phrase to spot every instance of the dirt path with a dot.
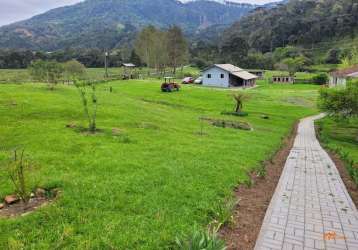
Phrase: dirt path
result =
(311, 208)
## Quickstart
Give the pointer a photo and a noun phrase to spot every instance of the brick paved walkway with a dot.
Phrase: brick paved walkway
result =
(311, 208)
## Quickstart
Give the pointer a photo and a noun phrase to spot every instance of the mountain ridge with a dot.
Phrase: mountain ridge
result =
(110, 23)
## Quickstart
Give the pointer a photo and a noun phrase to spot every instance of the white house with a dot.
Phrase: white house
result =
(339, 77)
(228, 75)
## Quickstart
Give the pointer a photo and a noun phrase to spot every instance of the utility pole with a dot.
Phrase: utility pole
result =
(106, 64)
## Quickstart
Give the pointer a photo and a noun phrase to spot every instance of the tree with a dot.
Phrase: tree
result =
(292, 65)
(351, 59)
(135, 59)
(239, 101)
(177, 47)
(74, 70)
(88, 96)
(234, 49)
(333, 56)
(144, 45)
(46, 71)
(340, 102)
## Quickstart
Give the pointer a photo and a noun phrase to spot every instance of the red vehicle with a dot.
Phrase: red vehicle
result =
(169, 85)
(188, 80)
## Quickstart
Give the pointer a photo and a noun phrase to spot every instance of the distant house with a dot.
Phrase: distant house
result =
(340, 77)
(283, 79)
(259, 73)
(228, 75)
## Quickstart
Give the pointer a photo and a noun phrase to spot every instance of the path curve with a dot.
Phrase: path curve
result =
(311, 208)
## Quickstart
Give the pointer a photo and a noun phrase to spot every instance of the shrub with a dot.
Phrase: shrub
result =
(89, 101)
(340, 102)
(74, 70)
(18, 169)
(46, 71)
(320, 79)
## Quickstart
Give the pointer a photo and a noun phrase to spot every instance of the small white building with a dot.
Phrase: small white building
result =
(228, 75)
(340, 77)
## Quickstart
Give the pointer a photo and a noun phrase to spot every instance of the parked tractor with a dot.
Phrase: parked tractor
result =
(169, 85)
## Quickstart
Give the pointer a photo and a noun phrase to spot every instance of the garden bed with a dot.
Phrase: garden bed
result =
(38, 199)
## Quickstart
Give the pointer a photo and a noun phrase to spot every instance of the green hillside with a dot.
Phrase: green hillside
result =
(113, 23)
(298, 22)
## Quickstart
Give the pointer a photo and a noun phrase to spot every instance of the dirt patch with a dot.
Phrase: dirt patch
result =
(254, 201)
(228, 124)
(37, 201)
(84, 130)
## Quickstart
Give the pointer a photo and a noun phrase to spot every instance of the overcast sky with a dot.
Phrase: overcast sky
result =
(16, 10)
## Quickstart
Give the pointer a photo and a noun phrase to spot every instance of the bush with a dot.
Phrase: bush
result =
(340, 102)
(50, 72)
(18, 171)
(320, 79)
(88, 96)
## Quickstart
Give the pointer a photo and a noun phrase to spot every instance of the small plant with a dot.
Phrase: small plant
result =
(17, 170)
(261, 171)
(201, 119)
(249, 183)
(90, 103)
(239, 101)
(200, 240)
(223, 213)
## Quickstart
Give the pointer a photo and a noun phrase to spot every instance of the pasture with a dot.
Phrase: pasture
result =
(163, 171)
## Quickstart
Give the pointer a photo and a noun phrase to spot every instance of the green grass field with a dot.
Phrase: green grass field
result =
(341, 135)
(154, 181)
(22, 75)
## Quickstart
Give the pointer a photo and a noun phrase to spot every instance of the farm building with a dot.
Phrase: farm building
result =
(340, 77)
(129, 68)
(283, 79)
(228, 75)
(259, 73)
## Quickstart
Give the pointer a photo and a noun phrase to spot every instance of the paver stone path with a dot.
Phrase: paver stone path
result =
(311, 208)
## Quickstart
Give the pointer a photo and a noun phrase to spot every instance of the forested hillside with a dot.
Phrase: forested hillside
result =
(299, 22)
(114, 23)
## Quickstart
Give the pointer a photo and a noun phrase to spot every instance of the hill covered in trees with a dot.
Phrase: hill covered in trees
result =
(294, 32)
(298, 22)
(113, 23)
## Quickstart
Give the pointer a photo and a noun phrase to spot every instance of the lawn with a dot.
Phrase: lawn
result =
(341, 136)
(156, 179)
(22, 75)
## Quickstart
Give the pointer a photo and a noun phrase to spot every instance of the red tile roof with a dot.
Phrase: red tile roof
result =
(345, 72)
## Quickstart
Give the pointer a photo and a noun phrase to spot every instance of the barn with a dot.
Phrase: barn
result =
(227, 75)
(340, 77)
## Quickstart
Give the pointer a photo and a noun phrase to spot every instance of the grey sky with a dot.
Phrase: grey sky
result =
(16, 10)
